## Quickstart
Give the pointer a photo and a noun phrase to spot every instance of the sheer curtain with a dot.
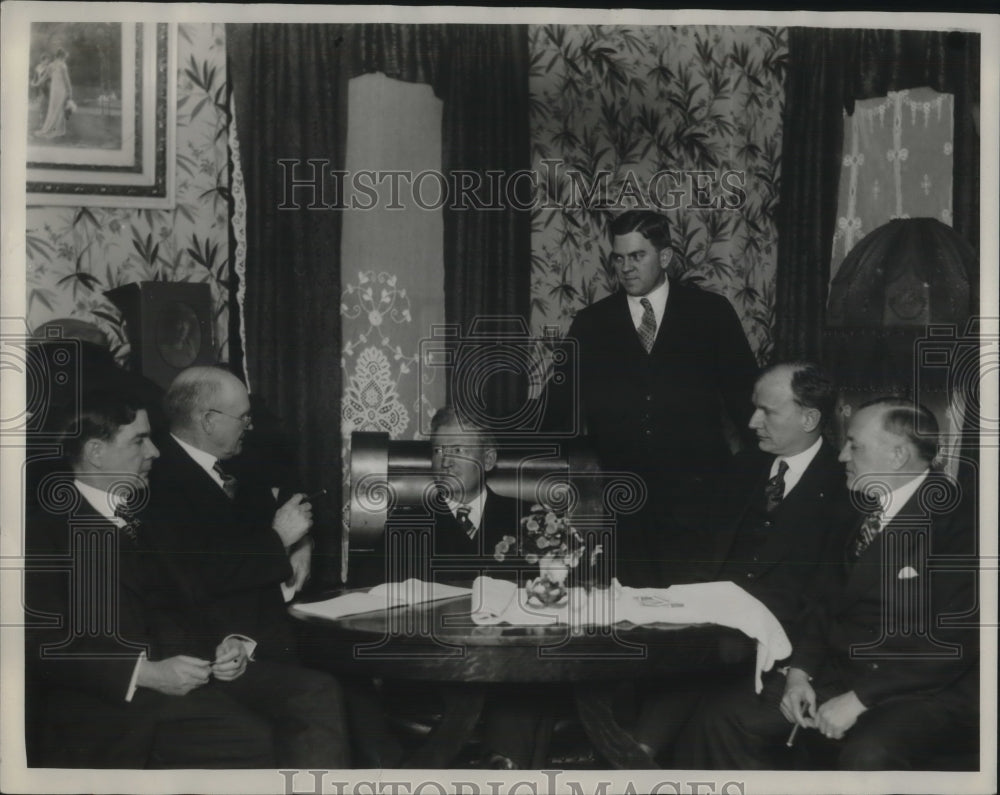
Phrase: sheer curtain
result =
(827, 71)
(290, 94)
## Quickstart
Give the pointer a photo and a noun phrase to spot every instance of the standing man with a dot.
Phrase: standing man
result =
(245, 551)
(872, 671)
(776, 523)
(137, 671)
(662, 367)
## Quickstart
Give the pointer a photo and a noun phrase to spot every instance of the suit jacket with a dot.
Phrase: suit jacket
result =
(874, 630)
(226, 546)
(661, 414)
(794, 547)
(77, 673)
(425, 541)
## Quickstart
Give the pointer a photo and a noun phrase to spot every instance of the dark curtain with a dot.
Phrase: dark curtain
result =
(487, 253)
(289, 95)
(827, 71)
(480, 72)
(289, 87)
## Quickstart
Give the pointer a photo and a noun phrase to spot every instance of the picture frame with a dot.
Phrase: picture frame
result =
(102, 114)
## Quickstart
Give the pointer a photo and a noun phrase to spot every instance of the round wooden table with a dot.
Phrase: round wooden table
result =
(439, 642)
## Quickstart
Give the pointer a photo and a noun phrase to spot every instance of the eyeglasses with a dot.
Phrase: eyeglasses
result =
(246, 419)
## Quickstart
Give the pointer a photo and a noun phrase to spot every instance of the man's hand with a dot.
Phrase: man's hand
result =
(300, 556)
(837, 715)
(230, 660)
(174, 676)
(293, 520)
(799, 699)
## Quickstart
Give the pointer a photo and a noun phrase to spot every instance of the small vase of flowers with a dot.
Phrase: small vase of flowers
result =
(550, 541)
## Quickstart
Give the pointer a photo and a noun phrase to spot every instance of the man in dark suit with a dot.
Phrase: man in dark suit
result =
(240, 550)
(452, 537)
(662, 366)
(143, 676)
(776, 521)
(871, 671)
(248, 553)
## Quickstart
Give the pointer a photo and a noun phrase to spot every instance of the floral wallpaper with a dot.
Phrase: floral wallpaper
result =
(632, 102)
(75, 254)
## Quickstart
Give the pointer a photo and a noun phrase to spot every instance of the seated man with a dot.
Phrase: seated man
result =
(145, 675)
(880, 698)
(452, 538)
(776, 521)
(247, 553)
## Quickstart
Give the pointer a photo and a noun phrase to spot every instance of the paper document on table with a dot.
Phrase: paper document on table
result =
(381, 597)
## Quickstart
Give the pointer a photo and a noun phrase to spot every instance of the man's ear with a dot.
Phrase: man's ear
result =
(900, 456)
(810, 420)
(489, 458)
(666, 255)
(93, 452)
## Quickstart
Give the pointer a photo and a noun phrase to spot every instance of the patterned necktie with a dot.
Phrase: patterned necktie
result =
(870, 528)
(132, 524)
(775, 488)
(647, 328)
(462, 514)
(228, 481)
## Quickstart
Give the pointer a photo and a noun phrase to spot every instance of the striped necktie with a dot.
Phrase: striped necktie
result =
(870, 528)
(647, 328)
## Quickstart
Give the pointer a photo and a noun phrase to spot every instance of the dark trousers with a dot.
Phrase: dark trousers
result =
(738, 729)
(305, 709)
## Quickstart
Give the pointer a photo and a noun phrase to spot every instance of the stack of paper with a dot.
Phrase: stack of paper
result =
(381, 597)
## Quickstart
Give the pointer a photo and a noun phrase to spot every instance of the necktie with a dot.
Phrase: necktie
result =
(132, 524)
(870, 528)
(462, 514)
(647, 328)
(228, 481)
(775, 488)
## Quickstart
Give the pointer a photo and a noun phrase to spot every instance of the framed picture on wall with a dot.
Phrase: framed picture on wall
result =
(101, 114)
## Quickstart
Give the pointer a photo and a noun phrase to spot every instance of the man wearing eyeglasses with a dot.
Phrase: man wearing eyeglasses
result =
(250, 554)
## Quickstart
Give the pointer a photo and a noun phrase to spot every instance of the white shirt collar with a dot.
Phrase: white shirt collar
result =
(657, 299)
(205, 460)
(476, 506)
(797, 464)
(104, 502)
(894, 501)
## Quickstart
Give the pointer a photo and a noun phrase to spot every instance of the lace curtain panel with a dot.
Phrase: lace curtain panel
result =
(897, 163)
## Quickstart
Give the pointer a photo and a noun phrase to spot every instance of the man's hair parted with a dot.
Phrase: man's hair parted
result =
(651, 225)
(100, 415)
(912, 421)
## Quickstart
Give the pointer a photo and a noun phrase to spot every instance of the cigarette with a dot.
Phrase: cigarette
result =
(791, 737)
(315, 494)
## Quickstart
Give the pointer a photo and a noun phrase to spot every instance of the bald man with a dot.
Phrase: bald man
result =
(248, 553)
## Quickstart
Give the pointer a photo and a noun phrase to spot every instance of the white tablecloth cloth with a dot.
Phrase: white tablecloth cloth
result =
(723, 603)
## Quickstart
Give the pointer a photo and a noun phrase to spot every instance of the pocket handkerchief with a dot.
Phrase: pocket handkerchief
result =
(907, 573)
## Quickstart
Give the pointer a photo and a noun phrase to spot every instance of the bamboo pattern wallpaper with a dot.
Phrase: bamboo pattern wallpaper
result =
(637, 101)
(76, 253)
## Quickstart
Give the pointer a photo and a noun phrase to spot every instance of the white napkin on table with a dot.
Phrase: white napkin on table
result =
(722, 603)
